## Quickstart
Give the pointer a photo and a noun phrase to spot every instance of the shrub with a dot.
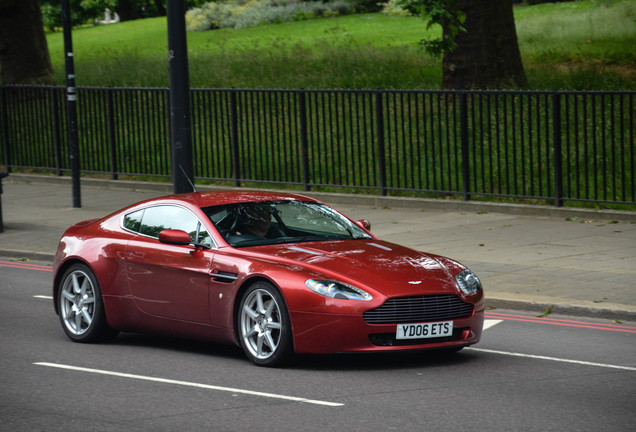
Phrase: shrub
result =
(394, 8)
(251, 13)
(197, 20)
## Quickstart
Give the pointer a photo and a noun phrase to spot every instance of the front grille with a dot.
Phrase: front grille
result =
(404, 310)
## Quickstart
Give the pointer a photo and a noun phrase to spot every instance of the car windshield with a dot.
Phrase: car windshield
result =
(276, 222)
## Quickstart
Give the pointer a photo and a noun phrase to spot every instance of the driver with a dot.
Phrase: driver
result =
(254, 219)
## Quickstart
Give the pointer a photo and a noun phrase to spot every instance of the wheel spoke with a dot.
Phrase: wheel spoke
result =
(269, 341)
(259, 345)
(78, 322)
(87, 317)
(252, 332)
(271, 305)
(68, 296)
(68, 314)
(259, 302)
(88, 300)
(251, 313)
(85, 287)
(76, 286)
(274, 325)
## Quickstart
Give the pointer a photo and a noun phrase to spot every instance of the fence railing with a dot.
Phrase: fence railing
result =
(555, 146)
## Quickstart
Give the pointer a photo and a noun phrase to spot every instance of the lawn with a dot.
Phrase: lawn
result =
(584, 45)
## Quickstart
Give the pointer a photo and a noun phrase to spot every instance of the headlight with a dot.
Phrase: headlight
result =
(337, 290)
(468, 282)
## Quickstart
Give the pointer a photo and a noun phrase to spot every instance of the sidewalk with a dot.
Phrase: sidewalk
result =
(576, 262)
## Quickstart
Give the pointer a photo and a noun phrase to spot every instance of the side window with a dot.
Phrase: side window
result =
(203, 237)
(132, 221)
(153, 220)
(157, 219)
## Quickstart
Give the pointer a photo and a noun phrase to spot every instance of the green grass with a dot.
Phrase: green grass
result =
(586, 31)
(587, 45)
(340, 52)
(574, 45)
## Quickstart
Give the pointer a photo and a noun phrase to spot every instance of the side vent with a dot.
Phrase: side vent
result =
(222, 276)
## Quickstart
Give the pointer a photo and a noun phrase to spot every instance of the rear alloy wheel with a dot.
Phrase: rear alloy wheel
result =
(264, 328)
(80, 306)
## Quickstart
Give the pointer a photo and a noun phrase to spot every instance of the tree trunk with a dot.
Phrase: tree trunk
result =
(24, 54)
(127, 10)
(487, 53)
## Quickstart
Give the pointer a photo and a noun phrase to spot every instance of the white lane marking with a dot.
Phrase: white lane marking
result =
(190, 384)
(43, 297)
(532, 356)
(491, 323)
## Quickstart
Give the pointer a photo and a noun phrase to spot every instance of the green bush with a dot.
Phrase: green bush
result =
(251, 13)
(394, 8)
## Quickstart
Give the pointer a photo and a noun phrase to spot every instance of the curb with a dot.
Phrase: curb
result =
(561, 306)
(30, 255)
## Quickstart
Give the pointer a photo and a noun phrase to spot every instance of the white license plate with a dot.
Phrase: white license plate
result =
(424, 330)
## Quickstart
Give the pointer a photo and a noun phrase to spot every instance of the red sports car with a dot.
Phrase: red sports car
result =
(275, 273)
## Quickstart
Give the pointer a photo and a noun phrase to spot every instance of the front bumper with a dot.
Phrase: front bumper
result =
(323, 333)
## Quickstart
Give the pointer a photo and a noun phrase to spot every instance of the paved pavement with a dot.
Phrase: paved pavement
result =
(567, 261)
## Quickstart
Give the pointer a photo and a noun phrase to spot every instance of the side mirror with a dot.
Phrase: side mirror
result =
(175, 237)
(363, 223)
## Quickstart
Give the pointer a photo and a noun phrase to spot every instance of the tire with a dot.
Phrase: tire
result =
(81, 307)
(263, 326)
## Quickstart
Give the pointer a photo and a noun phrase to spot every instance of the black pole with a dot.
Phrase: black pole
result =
(463, 133)
(379, 120)
(71, 104)
(2, 175)
(180, 134)
(236, 166)
(304, 142)
(558, 160)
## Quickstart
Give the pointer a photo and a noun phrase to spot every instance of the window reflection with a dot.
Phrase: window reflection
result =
(153, 220)
(287, 221)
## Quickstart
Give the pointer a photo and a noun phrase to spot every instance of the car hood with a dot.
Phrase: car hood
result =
(389, 268)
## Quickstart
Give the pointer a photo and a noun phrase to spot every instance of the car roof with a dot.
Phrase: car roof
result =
(213, 198)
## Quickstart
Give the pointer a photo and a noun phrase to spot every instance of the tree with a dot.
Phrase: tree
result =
(24, 54)
(128, 10)
(90, 11)
(135, 9)
(82, 11)
(479, 42)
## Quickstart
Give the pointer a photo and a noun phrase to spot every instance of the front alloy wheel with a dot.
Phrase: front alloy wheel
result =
(264, 329)
(80, 306)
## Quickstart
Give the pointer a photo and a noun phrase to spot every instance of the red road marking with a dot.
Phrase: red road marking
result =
(25, 266)
(561, 322)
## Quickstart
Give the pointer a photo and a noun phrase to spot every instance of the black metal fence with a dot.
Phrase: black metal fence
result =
(556, 146)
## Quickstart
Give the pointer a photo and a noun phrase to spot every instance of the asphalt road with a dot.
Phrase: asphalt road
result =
(528, 373)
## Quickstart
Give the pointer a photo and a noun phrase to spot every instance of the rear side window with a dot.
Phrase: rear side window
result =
(151, 221)
(132, 221)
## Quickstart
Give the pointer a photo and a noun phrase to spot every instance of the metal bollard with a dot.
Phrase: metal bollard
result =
(2, 175)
